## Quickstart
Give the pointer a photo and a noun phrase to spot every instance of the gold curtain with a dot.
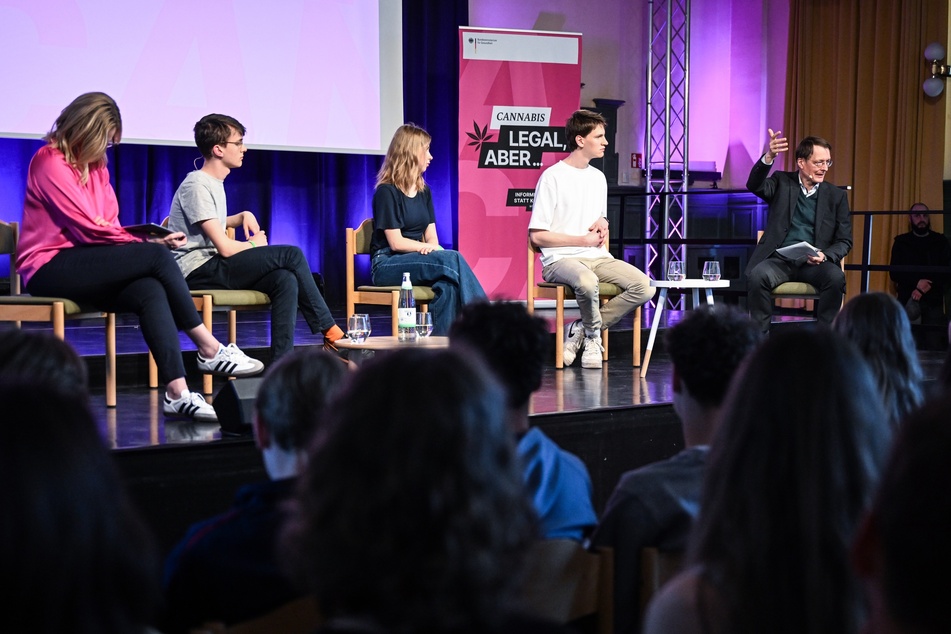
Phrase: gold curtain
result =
(854, 77)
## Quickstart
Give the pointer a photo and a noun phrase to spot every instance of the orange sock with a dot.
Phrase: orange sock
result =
(333, 334)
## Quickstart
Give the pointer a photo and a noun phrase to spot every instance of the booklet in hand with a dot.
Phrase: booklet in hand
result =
(148, 230)
(798, 251)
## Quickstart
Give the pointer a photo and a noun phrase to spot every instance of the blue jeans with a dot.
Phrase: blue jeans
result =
(282, 273)
(453, 282)
(138, 277)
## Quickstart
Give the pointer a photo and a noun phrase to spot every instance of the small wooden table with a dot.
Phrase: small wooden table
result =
(664, 286)
(382, 344)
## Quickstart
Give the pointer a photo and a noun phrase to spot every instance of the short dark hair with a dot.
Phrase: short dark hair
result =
(412, 510)
(294, 392)
(913, 518)
(513, 343)
(41, 358)
(808, 144)
(76, 556)
(581, 123)
(706, 348)
(214, 129)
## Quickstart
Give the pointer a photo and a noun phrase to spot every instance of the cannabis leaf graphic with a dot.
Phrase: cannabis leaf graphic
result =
(481, 136)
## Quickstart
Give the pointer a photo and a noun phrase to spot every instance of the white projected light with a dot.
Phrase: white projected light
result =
(316, 75)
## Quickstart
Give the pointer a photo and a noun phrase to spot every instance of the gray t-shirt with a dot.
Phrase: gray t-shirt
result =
(200, 197)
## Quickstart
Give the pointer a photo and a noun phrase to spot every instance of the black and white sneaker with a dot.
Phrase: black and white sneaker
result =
(190, 405)
(230, 361)
(574, 343)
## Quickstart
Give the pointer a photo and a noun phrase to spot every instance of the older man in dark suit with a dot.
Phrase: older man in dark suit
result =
(802, 208)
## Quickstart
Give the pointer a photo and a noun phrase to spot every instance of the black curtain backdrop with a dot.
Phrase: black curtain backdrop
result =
(300, 198)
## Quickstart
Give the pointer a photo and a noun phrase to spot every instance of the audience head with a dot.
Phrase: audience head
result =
(513, 343)
(41, 358)
(74, 555)
(412, 511)
(878, 326)
(706, 347)
(903, 547)
(293, 394)
(215, 129)
(582, 123)
(85, 129)
(402, 165)
(801, 443)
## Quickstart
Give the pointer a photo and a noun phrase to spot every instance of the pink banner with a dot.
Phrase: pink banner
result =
(516, 90)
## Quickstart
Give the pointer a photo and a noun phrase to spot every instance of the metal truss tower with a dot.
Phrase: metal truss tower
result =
(667, 118)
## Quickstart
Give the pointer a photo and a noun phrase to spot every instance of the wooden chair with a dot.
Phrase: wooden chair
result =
(567, 584)
(561, 292)
(657, 568)
(17, 308)
(218, 300)
(358, 243)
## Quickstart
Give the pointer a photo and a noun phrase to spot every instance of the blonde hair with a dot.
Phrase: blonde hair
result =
(401, 165)
(82, 131)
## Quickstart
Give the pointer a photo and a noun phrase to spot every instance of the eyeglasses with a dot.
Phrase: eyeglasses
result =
(822, 163)
(238, 143)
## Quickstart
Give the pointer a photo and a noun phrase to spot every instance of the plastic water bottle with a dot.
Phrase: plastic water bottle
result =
(406, 311)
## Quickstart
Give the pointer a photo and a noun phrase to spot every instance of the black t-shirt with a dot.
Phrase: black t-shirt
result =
(392, 209)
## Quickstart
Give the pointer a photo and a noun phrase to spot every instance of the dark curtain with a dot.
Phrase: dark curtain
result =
(300, 198)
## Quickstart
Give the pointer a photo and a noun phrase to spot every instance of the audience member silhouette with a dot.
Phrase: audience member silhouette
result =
(75, 556)
(412, 515)
(226, 568)
(655, 506)
(793, 466)
(515, 345)
(42, 359)
(877, 324)
(902, 551)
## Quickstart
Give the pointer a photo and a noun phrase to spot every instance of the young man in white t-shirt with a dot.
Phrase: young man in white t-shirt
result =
(570, 227)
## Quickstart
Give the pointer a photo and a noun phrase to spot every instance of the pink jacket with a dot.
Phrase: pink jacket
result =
(60, 213)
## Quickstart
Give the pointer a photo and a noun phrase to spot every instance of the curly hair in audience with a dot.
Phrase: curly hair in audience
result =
(707, 346)
(513, 343)
(412, 510)
(794, 463)
(293, 394)
(75, 557)
(877, 324)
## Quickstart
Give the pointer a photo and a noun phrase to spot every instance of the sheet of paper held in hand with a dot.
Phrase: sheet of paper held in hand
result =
(797, 251)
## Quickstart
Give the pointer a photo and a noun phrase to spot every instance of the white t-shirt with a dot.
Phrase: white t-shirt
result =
(200, 197)
(569, 200)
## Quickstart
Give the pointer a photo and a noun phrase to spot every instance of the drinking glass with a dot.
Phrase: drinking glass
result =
(675, 271)
(369, 325)
(358, 328)
(711, 271)
(424, 324)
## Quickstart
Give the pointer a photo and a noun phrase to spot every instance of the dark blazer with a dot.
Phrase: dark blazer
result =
(781, 191)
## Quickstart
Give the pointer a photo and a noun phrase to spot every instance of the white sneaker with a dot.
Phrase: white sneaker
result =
(230, 361)
(574, 342)
(190, 405)
(593, 352)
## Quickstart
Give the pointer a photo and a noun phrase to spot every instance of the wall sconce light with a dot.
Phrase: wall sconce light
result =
(934, 85)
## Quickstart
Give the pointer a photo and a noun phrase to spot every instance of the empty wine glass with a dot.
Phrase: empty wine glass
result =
(675, 271)
(424, 324)
(358, 328)
(711, 271)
